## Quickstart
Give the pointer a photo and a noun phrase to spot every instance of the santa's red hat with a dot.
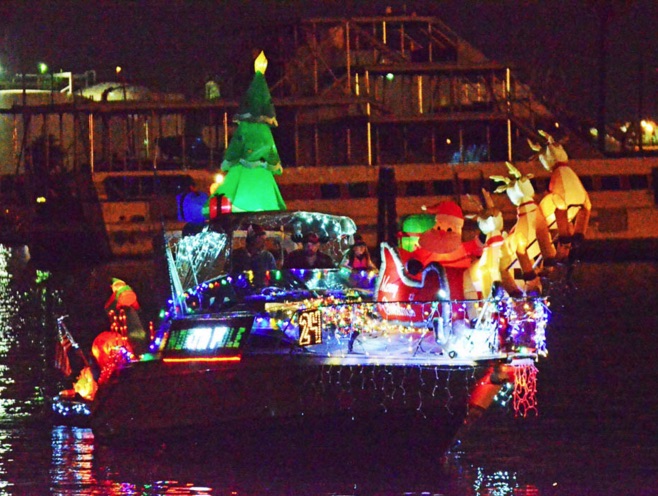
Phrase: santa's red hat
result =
(446, 208)
(447, 211)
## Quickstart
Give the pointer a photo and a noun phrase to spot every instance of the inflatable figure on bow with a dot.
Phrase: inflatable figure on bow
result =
(117, 347)
(122, 308)
(566, 206)
(530, 237)
(126, 338)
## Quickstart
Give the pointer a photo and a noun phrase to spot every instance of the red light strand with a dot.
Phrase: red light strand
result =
(525, 389)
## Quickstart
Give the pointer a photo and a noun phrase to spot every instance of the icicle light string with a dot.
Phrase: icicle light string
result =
(387, 386)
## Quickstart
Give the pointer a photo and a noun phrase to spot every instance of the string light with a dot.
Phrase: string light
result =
(355, 323)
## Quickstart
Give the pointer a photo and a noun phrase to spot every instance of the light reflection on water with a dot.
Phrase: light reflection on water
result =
(79, 466)
(561, 452)
(72, 458)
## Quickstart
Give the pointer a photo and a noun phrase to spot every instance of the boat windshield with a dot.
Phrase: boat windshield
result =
(206, 262)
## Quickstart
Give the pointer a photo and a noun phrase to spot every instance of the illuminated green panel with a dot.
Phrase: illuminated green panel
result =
(205, 339)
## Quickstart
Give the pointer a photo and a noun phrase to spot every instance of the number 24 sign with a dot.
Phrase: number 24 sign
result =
(310, 327)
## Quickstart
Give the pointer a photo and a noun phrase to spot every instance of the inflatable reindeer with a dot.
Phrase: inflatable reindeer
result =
(530, 236)
(490, 267)
(567, 203)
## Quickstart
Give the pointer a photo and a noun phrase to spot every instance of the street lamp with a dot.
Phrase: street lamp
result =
(43, 69)
(121, 80)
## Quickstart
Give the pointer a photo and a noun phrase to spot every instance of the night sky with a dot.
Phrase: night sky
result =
(173, 45)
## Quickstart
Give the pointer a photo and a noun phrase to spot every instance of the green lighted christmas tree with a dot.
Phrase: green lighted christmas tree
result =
(251, 159)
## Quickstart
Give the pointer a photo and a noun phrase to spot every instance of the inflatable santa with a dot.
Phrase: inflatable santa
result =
(443, 244)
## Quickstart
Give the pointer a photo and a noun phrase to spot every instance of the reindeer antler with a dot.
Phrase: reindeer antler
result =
(488, 200)
(553, 152)
(548, 137)
(535, 147)
(509, 181)
(502, 179)
(514, 172)
(551, 140)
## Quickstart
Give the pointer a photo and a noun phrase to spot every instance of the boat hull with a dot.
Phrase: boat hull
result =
(292, 399)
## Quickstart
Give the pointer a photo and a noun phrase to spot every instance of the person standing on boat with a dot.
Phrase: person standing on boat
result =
(253, 256)
(309, 256)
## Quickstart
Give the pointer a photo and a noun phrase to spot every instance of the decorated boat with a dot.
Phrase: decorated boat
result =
(303, 348)
(272, 326)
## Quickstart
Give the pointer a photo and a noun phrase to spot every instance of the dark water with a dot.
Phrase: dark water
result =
(595, 433)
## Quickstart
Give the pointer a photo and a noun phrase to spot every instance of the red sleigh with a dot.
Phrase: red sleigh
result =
(407, 300)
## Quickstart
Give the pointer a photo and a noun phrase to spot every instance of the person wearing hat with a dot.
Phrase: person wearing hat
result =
(358, 256)
(254, 256)
(309, 256)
